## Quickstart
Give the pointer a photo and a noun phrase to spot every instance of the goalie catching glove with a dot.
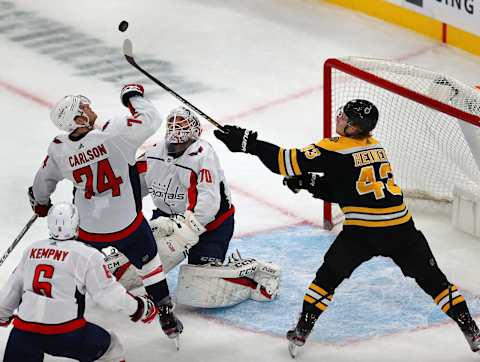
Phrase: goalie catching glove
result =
(175, 237)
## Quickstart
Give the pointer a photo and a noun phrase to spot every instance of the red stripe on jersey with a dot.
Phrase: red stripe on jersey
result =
(220, 219)
(141, 166)
(192, 192)
(109, 237)
(49, 328)
(155, 271)
(118, 273)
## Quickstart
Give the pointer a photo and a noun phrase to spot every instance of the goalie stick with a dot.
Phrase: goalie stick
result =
(128, 53)
(18, 238)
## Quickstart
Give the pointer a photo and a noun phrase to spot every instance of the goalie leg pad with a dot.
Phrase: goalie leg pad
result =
(213, 286)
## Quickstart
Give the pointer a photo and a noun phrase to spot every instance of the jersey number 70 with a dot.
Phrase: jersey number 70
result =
(106, 179)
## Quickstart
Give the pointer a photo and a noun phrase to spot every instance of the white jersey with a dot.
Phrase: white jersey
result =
(101, 166)
(194, 181)
(49, 285)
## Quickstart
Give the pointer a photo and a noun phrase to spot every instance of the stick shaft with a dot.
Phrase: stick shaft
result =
(18, 238)
(130, 59)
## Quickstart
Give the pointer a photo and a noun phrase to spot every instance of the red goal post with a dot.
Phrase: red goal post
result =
(429, 123)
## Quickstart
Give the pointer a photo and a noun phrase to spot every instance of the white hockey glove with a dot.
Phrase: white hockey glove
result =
(146, 311)
(174, 247)
(162, 226)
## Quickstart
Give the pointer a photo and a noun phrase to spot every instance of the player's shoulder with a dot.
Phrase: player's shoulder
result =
(157, 149)
(200, 149)
(343, 144)
(58, 141)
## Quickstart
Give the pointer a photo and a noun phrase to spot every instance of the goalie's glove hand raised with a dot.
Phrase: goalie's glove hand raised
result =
(237, 139)
(302, 182)
(40, 209)
(146, 311)
(130, 90)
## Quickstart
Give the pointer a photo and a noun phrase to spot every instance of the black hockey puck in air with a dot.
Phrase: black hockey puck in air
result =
(123, 26)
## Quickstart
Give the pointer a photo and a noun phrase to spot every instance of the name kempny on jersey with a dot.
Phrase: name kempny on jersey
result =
(87, 156)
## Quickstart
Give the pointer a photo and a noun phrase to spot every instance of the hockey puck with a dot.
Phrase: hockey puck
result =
(123, 26)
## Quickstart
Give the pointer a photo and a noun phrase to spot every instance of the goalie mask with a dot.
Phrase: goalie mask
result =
(64, 113)
(362, 114)
(183, 128)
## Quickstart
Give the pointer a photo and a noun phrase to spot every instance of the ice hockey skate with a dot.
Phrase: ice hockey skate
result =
(171, 325)
(298, 336)
(470, 331)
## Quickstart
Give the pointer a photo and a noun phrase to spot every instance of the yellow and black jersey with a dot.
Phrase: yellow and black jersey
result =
(357, 176)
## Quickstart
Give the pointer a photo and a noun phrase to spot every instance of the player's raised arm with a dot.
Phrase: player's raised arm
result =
(145, 119)
(286, 162)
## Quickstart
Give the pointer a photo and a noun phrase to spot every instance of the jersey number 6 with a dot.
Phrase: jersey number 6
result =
(106, 179)
(44, 271)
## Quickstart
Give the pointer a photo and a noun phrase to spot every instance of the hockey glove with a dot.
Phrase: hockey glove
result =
(39, 209)
(171, 325)
(130, 90)
(146, 310)
(297, 183)
(162, 226)
(238, 139)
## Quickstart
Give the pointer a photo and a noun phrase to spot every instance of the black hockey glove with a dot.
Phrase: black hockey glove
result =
(297, 183)
(130, 90)
(237, 139)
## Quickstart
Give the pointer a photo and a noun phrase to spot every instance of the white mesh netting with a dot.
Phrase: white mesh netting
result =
(430, 151)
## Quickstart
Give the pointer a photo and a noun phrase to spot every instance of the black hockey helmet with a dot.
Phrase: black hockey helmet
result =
(361, 113)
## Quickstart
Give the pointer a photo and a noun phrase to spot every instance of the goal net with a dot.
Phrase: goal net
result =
(429, 124)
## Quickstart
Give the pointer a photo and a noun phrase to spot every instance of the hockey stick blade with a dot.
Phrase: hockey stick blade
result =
(128, 48)
(128, 53)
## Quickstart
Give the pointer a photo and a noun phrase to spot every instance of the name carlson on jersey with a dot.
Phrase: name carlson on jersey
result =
(87, 156)
(363, 158)
(42, 253)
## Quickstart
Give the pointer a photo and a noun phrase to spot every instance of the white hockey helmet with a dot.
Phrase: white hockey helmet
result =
(183, 127)
(63, 221)
(65, 111)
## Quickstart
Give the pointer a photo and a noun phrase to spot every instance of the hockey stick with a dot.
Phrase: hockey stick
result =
(18, 238)
(128, 53)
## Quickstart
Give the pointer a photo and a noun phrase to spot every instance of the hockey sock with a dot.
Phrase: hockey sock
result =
(451, 302)
(158, 291)
(316, 300)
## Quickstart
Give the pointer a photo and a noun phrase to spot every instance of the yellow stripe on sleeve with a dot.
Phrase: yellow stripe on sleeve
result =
(281, 162)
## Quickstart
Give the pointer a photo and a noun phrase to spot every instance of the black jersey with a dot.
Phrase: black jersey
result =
(357, 176)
